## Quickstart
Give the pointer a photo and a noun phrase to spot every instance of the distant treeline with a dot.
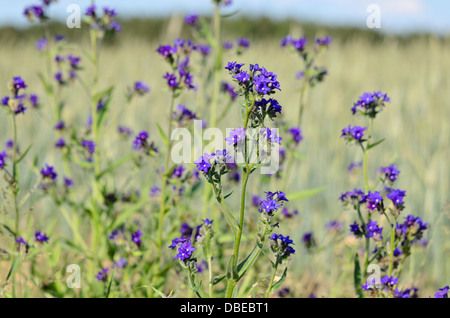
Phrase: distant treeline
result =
(159, 29)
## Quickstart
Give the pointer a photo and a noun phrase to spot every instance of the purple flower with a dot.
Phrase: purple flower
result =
(33, 12)
(297, 44)
(352, 198)
(141, 88)
(60, 143)
(178, 171)
(227, 45)
(369, 104)
(308, 240)
(323, 42)
(234, 67)
(48, 173)
(191, 19)
(353, 133)
(41, 44)
(356, 230)
(354, 166)
(21, 242)
(136, 237)
(281, 246)
(389, 281)
(390, 173)
(16, 85)
(60, 125)
(225, 87)
(412, 228)
(74, 61)
(140, 141)
(88, 145)
(121, 263)
(34, 100)
(171, 80)
(256, 200)
(59, 77)
(68, 183)
(41, 237)
(236, 135)
(185, 250)
(203, 163)
(287, 213)
(124, 131)
(204, 49)
(270, 135)
(296, 133)
(396, 197)
(109, 12)
(374, 201)
(183, 115)
(334, 225)
(373, 230)
(5, 101)
(269, 205)
(3, 155)
(90, 11)
(243, 42)
(102, 275)
(442, 293)
(242, 77)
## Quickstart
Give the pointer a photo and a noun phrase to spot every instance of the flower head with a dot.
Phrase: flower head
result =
(41, 237)
(370, 104)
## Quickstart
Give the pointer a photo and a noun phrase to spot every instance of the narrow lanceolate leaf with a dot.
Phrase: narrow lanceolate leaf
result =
(357, 277)
(108, 291)
(161, 294)
(249, 261)
(375, 144)
(163, 135)
(279, 282)
(24, 154)
(48, 88)
(304, 194)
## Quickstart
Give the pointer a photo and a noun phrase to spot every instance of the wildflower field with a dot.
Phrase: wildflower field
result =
(196, 161)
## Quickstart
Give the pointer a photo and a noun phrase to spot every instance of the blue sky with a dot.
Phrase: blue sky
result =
(399, 16)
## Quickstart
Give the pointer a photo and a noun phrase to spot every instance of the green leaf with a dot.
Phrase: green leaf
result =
(115, 165)
(226, 196)
(163, 135)
(229, 14)
(304, 194)
(108, 291)
(231, 271)
(48, 88)
(375, 144)
(161, 294)
(105, 94)
(24, 154)
(248, 262)
(296, 155)
(280, 282)
(357, 277)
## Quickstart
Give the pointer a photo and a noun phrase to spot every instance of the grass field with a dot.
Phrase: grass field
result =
(415, 125)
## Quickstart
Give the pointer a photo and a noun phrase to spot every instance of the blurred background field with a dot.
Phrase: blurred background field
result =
(412, 69)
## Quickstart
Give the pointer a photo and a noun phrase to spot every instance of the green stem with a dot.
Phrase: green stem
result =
(162, 206)
(217, 67)
(211, 294)
(366, 186)
(391, 254)
(15, 189)
(269, 288)
(95, 127)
